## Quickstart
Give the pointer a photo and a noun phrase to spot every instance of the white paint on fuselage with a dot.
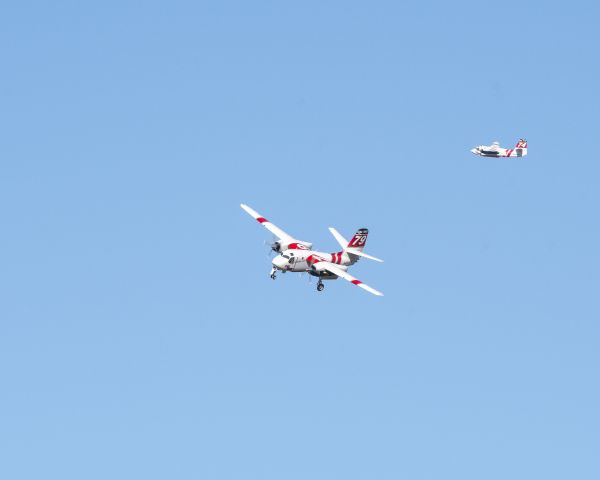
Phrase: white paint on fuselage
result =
(294, 260)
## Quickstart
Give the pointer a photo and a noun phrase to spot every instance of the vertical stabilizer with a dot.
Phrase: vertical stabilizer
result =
(359, 239)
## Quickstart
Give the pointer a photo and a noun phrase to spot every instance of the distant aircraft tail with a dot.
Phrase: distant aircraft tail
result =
(520, 149)
(522, 143)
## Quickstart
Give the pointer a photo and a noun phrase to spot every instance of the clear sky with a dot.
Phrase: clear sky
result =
(140, 334)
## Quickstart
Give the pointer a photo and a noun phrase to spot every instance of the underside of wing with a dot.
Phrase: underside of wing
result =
(275, 230)
(331, 268)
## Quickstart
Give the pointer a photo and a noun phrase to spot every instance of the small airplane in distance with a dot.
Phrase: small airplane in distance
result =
(495, 150)
(298, 256)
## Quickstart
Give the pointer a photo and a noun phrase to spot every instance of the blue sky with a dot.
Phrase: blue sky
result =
(140, 334)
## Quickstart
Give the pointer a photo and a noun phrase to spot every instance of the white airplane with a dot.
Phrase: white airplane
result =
(297, 256)
(495, 150)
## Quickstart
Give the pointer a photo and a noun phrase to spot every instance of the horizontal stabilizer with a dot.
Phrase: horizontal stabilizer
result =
(353, 251)
(341, 240)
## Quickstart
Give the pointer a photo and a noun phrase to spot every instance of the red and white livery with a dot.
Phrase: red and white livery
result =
(495, 150)
(298, 256)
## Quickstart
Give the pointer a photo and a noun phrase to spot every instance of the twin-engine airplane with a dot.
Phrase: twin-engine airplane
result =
(495, 150)
(298, 256)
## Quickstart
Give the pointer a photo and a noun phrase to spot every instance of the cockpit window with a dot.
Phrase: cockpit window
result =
(291, 260)
(285, 256)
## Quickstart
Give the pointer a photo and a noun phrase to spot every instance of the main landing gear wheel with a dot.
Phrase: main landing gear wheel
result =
(320, 286)
(273, 276)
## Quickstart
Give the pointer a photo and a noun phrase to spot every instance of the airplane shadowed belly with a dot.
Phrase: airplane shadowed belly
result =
(301, 266)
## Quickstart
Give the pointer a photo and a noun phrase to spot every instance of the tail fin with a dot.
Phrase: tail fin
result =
(359, 239)
(356, 245)
(522, 143)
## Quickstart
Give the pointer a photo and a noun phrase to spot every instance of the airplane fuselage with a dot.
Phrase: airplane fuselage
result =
(486, 151)
(301, 260)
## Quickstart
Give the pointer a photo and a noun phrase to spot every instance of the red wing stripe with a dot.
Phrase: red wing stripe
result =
(261, 220)
(356, 282)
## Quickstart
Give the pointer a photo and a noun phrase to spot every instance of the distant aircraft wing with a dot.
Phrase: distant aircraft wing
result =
(275, 230)
(331, 268)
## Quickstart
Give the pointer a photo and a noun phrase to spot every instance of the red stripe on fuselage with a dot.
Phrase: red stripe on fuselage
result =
(312, 259)
(336, 258)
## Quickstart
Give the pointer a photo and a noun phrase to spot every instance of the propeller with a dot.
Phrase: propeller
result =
(274, 247)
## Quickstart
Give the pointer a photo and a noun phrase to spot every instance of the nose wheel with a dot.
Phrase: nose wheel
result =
(320, 286)
(273, 274)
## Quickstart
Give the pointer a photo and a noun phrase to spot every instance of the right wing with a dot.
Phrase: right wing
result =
(278, 232)
(331, 268)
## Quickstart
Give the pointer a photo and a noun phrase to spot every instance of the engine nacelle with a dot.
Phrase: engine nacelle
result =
(318, 270)
(281, 246)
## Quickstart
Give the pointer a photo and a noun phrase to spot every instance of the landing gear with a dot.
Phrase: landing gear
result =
(320, 286)
(273, 274)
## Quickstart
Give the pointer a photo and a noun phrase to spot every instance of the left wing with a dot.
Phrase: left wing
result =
(274, 229)
(331, 268)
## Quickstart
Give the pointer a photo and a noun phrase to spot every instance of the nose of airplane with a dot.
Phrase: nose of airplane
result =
(475, 151)
(279, 262)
